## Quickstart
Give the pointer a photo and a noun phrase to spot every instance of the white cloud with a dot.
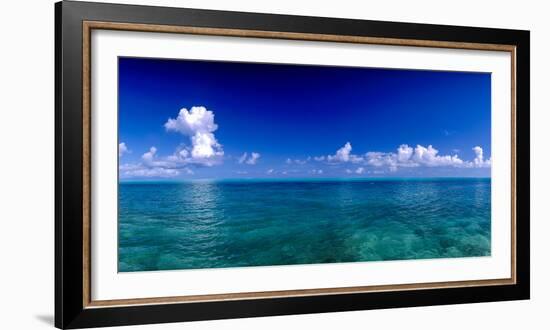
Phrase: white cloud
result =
(198, 119)
(479, 154)
(478, 160)
(314, 171)
(379, 159)
(348, 171)
(242, 159)
(150, 160)
(149, 168)
(122, 149)
(270, 171)
(360, 170)
(297, 161)
(406, 156)
(197, 124)
(404, 153)
(429, 157)
(252, 160)
(130, 167)
(204, 150)
(319, 159)
(153, 166)
(155, 172)
(149, 155)
(205, 146)
(342, 154)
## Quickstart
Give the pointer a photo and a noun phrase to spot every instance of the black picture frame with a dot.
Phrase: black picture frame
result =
(70, 309)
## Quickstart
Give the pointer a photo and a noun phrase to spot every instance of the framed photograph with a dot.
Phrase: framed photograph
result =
(218, 164)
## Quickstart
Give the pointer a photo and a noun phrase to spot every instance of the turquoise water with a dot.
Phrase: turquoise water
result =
(238, 223)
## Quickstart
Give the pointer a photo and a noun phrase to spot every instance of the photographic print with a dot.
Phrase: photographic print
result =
(214, 164)
(235, 164)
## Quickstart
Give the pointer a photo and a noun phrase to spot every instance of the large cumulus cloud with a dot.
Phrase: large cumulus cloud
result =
(202, 147)
(199, 126)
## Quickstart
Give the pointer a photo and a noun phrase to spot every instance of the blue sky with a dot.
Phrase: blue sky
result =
(187, 119)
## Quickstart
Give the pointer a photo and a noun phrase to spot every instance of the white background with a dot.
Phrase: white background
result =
(27, 168)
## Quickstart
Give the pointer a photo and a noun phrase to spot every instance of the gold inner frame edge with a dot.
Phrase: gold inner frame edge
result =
(88, 26)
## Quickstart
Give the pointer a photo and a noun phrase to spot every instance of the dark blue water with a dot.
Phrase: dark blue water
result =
(211, 224)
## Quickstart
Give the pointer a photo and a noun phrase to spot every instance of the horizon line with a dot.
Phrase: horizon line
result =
(297, 179)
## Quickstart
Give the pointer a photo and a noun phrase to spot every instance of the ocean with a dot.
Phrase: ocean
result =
(244, 223)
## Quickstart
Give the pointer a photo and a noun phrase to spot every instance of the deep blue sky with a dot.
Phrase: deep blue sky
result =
(296, 111)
